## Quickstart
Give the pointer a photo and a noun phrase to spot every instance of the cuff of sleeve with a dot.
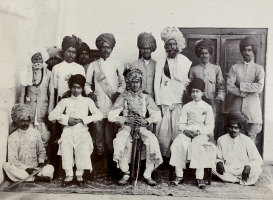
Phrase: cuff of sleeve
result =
(121, 120)
(242, 86)
(219, 160)
(87, 120)
(41, 160)
(149, 120)
(64, 119)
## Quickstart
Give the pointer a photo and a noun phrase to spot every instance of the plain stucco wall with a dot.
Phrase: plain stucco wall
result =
(28, 24)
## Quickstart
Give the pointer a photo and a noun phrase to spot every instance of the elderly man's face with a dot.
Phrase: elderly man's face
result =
(23, 124)
(37, 58)
(70, 55)
(76, 90)
(105, 51)
(233, 130)
(135, 85)
(146, 52)
(204, 56)
(83, 57)
(248, 54)
(171, 48)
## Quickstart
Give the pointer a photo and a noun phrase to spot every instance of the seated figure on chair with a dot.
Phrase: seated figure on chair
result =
(134, 104)
(238, 160)
(75, 138)
(195, 124)
(26, 152)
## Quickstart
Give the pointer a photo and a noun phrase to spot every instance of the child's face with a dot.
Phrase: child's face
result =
(196, 94)
(37, 58)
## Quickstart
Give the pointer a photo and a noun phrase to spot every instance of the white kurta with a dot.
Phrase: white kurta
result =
(140, 103)
(75, 137)
(61, 74)
(113, 72)
(235, 153)
(201, 153)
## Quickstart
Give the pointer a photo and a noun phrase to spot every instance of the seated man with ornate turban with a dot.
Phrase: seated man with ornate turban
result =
(134, 104)
(109, 83)
(26, 152)
(238, 160)
(211, 74)
(195, 124)
(75, 139)
(245, 81)
(84, 55)
(171, 78)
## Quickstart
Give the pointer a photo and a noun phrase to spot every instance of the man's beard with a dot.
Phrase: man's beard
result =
(171, 53)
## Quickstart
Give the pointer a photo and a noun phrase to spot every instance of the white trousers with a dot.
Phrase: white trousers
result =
(16, 174)
(199, 172)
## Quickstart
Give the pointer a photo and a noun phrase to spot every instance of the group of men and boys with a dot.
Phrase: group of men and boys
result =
(66, 96)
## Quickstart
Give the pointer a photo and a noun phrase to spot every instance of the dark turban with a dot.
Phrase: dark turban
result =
(248, 41)
(70, 42)
(203, 44)
(21, 111)
(78, 79)
(197, 83)
(106, 37)
(146, 39)
(235, 117)
(84, 47)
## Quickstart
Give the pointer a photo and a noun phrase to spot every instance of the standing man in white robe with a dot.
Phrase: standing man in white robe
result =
(238, 160)
(75, 138)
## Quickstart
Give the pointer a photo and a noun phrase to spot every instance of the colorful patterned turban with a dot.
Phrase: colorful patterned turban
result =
(21, 111)
(78, 79)
(235, 117)
(105, 37)
(133, 74)
(248, 41)
(146, 39)
(203, 44)
(174, 33)
(71, 42)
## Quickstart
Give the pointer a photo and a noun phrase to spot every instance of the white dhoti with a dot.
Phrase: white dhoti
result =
(235, 175)
(123, 150)
(200, 153)
(76, 140)
(16, 174)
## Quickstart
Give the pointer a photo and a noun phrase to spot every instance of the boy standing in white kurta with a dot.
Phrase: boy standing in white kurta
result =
(195, 124)
(75, 138)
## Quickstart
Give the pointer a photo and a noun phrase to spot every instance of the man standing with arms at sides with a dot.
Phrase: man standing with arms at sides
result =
(146, 44)
(246, 81)
(109, 84)
(171, 78)
(83, 56)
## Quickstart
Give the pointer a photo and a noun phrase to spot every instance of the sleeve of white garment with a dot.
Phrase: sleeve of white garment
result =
(55, 76)
(89, 77)
(41, 152)
(121, 80)
(231, 79)
(155, 114)
(57, 113)
(183, 119)
(209, 122)
(13, 152)
(158, 74)
(22, 93)
(257, 86)
(113, 115)
(219, 152)
(253, 153)
(96, 114)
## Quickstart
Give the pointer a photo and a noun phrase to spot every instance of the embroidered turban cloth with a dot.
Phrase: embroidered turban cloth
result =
(105, 37)
(53, 51)
(203, 44)
(21, 111)
(235, 117)
(146, 39)
(84, 47)
(78, 79)
(133, 74)
(71, 42)
(197, 83)
(174, 33)
(248, 41)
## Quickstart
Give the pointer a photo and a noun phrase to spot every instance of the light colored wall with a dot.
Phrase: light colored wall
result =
(26, 24)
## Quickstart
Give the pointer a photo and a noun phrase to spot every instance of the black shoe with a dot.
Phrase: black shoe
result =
(150, 182)
(67, 181)
(43, 179)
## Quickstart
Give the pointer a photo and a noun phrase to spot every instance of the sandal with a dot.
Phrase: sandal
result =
(200, 184)
(177, 181)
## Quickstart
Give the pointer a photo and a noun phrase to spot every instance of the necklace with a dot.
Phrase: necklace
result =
(42, 76)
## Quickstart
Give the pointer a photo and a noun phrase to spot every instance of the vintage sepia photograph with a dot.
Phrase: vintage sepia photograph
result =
(147, 99)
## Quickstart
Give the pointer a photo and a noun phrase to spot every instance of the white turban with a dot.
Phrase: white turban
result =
(174, 33)
(21, 111)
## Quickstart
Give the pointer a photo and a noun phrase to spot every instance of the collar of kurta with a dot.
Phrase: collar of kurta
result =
(75, 98)
(250, 62)
(197, 102)
(20, 131)
(204, 65)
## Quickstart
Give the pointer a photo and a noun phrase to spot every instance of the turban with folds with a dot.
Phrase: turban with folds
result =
(71, 42)
(53, 51)
(248, 41)
(84, 47)
(203, 44)
(132, 74)
(174, 33)
(78, 79)
(235, 117)
(105, 37)
(20, 112)
(197, 83)
(146, 39)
